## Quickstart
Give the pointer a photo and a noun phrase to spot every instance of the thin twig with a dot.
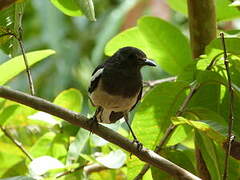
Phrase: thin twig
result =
(169, 130)
(70, 171)
(16, 142)
(94, 168)
(159, 81)
(144, 154)
(20, 41)
(230, 113)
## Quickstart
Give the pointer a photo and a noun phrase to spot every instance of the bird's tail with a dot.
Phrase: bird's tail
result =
(108, 116)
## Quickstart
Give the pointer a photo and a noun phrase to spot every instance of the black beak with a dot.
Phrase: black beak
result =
(148, 62)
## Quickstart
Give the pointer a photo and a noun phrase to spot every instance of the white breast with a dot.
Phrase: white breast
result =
(99, 97)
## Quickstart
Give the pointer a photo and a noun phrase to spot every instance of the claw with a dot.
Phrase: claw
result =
(139, 145)
(92, 121)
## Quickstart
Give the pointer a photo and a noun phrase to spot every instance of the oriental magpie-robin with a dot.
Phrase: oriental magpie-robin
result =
(116, 86)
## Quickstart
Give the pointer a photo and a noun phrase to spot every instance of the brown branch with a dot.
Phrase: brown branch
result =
(20, 41)
(202, 24)
(230, 113)
(16, 142)
(145, 154)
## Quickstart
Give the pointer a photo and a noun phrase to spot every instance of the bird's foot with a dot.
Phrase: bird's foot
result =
(139, 145)
(92, 122)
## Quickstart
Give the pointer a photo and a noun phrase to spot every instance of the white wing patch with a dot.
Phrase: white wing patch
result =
(97, 74)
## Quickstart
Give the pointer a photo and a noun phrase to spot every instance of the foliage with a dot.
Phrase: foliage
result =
(58, 147)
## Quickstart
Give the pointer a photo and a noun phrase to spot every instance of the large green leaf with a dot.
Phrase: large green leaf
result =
(16, 65)
(68, 7)
(183, 158)
(157, 42)
(77, 146)
(201, 126)
(71, 99)
(39, 148)
(7, 112)
(232, 45)
(208, 150)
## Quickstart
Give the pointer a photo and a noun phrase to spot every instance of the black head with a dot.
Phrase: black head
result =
(133, 57)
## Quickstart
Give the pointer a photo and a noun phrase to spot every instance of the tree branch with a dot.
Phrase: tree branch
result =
(76, 119)
(230, 113)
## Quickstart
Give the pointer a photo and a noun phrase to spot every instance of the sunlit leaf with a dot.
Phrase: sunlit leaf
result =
(77, 146)
(201, 126)
(87, 8)
(16, 65)
(71, 99)
(157, 42)
(7, 112)
(232, 45)
(68, 7)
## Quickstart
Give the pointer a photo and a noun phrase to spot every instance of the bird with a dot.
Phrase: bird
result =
(116, 86)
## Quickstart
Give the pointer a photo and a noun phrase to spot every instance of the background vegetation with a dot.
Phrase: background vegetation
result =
(68, 43)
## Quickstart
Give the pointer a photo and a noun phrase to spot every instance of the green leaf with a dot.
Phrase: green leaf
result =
(71, 99)
(183, 158)
(77, 146)
(68, 7)
(7, 112)
(225, 12)
(179, 135)
(201, 126)
(157, 42)
(39, 148)
(232, 45)
(16, 65)
(179, 5)
(208, 151)
(87, 8)
(153, 114)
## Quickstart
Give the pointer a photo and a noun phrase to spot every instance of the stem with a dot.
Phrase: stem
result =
(144, 154)
(230, 115)
(19, 39)
(16, 142)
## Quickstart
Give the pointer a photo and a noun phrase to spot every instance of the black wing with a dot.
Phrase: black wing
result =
(138, 98)
(95, 81)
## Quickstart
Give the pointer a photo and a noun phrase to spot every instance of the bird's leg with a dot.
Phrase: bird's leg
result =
(93, 120)
(139, 145)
